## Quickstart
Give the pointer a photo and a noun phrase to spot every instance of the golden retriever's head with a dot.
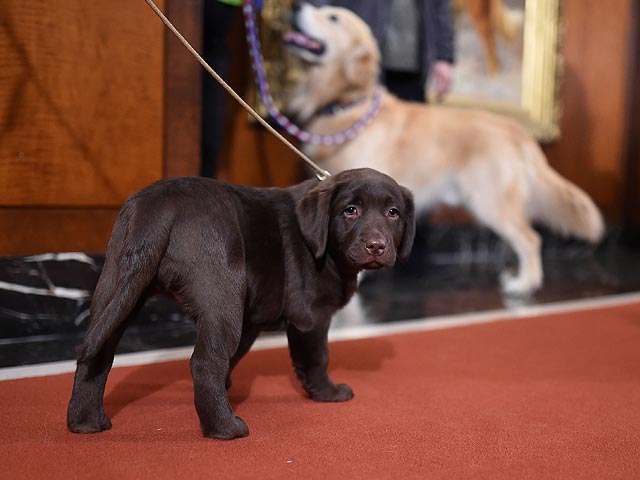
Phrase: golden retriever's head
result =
(339, 54)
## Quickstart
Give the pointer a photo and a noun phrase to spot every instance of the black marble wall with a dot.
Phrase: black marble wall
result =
(45, 299)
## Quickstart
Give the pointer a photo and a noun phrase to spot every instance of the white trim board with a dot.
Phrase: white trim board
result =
(346, 333)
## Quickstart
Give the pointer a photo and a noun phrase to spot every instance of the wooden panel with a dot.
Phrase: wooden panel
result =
(593, 99)
(80, 101)
(253, 156)
(27, 231)
(631, 193)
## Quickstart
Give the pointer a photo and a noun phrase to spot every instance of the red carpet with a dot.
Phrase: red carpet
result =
(549, 397)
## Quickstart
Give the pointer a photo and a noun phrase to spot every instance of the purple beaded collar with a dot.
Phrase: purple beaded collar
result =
(267, 100)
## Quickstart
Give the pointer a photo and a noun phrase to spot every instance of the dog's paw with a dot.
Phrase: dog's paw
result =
(233, 427)
(89, 425)
(517, 285)
(334, 393)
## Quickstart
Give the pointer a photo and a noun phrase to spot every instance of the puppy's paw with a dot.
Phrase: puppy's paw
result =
(334, 393)
(89, 425)
(228, 429)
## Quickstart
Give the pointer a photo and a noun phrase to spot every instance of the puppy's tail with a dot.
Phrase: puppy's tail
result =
(562, 205)
(133, 255)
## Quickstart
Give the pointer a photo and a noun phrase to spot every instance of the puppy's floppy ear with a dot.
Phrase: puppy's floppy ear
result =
(313, 212)
(404, 250)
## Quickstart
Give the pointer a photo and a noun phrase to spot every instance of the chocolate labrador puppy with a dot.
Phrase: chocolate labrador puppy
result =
(241, 260)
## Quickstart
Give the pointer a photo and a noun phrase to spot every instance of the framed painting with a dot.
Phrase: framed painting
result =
(508, 60)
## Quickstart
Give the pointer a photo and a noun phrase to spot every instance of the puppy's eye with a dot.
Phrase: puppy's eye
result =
(350, 211)
(334, 18)
(393, 213)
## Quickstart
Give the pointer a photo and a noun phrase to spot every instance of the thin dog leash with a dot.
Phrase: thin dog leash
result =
(320, 172)
(263, 87)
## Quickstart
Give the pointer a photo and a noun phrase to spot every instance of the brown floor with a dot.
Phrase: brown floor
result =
(548, 397)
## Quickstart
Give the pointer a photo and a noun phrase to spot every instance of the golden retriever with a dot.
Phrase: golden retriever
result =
(486, 163)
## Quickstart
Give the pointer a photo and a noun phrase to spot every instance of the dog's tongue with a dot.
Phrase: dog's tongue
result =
(299, 38)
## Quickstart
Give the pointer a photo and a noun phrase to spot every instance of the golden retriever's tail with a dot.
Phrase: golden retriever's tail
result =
(563, 206)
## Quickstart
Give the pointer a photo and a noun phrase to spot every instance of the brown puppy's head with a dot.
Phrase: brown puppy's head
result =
(339, 52)
(362, 218)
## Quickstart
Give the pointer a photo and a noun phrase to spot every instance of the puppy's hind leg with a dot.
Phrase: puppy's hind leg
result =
(114, 302)
(85, 413)
(216, 302)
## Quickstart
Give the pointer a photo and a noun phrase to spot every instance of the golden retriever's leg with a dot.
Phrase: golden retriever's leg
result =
(505, 215)
(526, 243)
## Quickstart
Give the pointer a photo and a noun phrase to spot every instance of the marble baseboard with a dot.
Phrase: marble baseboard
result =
(44, 299)
(44, 308)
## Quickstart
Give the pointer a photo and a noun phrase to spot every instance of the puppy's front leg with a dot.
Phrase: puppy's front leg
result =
(310, 354)
(249, 335)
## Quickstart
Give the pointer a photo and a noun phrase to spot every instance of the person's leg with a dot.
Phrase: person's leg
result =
(218, 20)
(406, 85)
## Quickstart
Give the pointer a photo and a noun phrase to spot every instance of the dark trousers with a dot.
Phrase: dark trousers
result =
(218, 20)
(406, 85)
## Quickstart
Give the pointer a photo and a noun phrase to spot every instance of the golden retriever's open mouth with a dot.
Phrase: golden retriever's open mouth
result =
(298, 40)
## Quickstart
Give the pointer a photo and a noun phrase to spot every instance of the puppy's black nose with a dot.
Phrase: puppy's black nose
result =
(376, 246)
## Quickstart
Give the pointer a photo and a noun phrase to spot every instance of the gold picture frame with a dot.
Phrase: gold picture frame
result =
(540, 65)
(534, 100)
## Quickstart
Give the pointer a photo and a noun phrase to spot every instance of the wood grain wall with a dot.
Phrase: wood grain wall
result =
(83, 115)
(80, 102)
(631, 192)
(594, 101)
